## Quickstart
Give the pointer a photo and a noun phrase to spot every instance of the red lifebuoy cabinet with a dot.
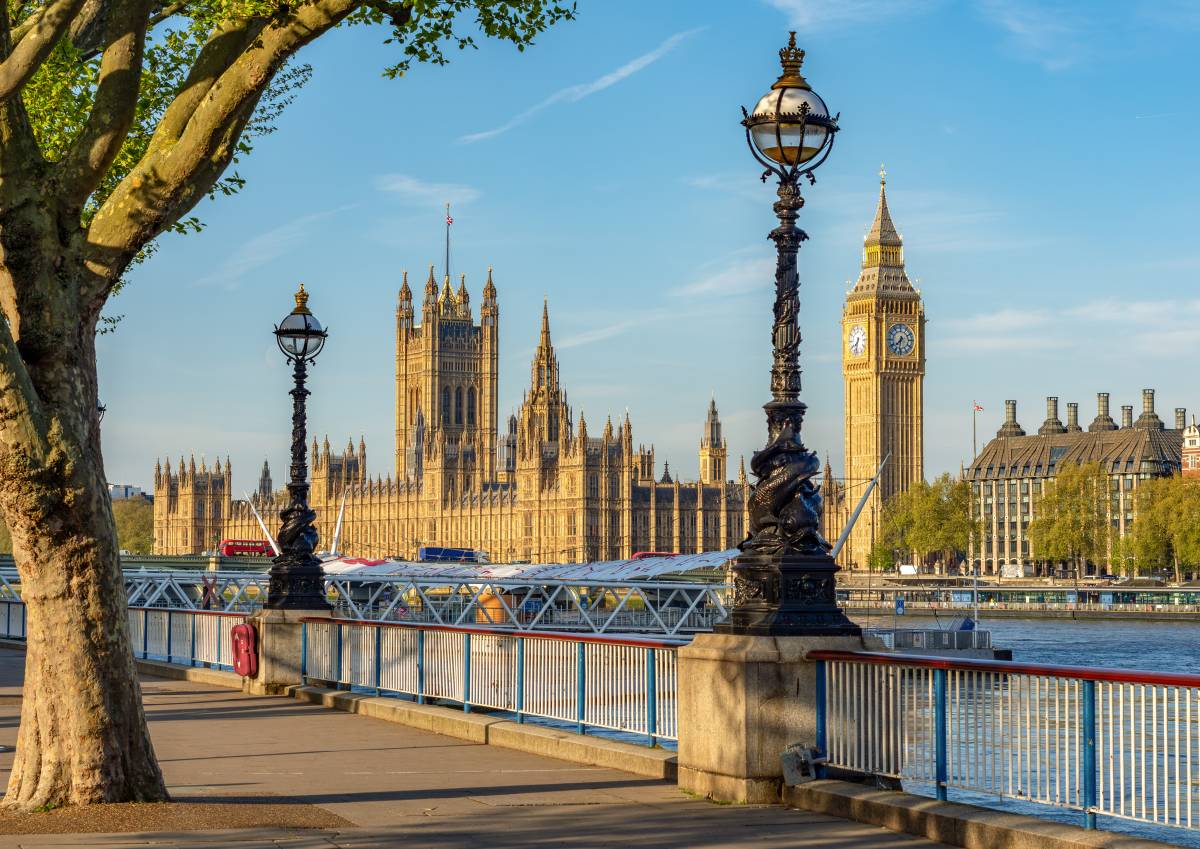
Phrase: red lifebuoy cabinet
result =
(245, 649)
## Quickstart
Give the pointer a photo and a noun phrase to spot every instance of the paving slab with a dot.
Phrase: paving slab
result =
(405, 786)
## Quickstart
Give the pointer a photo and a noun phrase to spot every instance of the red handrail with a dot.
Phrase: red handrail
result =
(508, 632)
(188, 610)
(1084, 673)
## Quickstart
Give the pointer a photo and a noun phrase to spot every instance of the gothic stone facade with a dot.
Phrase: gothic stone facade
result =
(1008, 475)
(542, 490)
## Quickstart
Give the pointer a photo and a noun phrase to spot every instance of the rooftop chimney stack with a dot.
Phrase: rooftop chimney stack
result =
(1127, 416)
(1149, 419)
(1073, 417)
(1103, 420)
(1180, 418)
(1010, 426)
(1052, 425)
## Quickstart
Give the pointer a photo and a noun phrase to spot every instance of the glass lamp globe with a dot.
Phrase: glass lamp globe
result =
(300, 335)
(790, 124)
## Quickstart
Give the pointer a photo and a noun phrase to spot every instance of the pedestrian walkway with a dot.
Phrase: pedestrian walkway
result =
(401, 786)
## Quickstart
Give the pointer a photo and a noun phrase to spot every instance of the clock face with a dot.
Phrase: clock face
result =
(900, 339)
(857, 340)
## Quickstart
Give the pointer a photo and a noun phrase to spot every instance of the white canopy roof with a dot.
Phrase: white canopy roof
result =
(607, 570)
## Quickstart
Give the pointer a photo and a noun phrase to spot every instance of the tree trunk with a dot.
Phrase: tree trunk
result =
(83, 736)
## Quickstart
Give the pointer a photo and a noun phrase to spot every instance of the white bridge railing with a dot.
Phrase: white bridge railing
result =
(666, 609)
(623, 684)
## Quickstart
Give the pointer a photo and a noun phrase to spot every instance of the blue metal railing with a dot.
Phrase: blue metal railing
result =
(623, 684)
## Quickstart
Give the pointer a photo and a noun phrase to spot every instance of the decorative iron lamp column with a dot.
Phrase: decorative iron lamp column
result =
(784, 578)
(296, 578)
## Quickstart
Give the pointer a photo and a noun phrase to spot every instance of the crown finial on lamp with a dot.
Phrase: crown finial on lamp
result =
(301, 302)
(791, 58)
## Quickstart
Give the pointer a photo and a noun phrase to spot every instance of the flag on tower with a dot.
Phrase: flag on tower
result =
(977, 407)
(449, 220)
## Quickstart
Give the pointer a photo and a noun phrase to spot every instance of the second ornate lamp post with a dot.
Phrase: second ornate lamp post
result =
(296, 578)
(784, 578)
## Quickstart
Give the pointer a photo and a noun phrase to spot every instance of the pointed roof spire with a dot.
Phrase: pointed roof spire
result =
(430, 285)
(883, 256)
(666, 478)
(463, 297)
(489, 290)
(545, 340)
(883, 231)
(405, 292)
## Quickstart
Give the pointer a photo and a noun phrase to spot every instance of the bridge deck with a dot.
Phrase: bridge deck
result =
(402, 786)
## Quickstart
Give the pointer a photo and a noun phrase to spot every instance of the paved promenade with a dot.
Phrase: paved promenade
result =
(405, 787)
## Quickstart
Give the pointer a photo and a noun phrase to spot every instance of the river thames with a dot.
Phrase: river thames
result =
(1120, 644)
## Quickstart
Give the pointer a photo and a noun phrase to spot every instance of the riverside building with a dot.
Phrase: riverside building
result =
(1008, 475)
(540, 489)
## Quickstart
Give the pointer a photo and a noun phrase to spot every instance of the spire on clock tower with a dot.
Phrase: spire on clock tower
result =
(883, 255)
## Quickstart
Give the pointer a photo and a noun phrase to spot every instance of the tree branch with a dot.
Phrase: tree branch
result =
(85, 163)
(45, 27)
(167, 177)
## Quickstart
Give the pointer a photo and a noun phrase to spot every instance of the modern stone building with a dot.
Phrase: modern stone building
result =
(883, 367)
(542, 490)
(1008, 475)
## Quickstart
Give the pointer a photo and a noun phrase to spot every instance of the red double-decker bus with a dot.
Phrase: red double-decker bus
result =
(245, 548)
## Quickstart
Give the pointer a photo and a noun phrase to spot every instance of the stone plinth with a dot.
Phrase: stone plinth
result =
(280, 650)
(741, 701)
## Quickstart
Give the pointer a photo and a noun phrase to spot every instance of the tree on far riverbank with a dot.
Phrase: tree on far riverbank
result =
(1166, 530)
(929, 520)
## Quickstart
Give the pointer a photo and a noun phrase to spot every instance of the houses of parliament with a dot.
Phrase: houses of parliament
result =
(543, 489)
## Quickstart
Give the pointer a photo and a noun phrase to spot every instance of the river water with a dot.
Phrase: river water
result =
(1121, 644)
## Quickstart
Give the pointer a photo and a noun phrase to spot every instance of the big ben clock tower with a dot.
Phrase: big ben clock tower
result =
(883, 366)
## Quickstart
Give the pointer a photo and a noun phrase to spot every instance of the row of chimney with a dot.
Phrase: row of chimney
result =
(1148, 420)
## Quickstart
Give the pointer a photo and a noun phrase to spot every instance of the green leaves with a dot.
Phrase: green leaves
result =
(930, 518)
(423, 25)
(1071, 521)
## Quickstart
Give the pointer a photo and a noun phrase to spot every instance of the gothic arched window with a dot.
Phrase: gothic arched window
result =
(541, 375)
(614, 487)
(471, 406)
(445, 405)
(594, 486)
(458, 406)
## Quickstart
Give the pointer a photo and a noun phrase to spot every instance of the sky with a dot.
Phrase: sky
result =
(1041, 166)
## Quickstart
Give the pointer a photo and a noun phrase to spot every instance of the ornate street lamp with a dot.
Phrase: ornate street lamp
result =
(784, 578)
(296, 576)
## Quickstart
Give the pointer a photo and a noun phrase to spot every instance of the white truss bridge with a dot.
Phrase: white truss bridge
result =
(590, 606)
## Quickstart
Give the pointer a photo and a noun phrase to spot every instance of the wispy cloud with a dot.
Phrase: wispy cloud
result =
(1056, 35)
(578, 92)
(1084, 330)
(420, 193)
(743, 184)
(263, 249)
(745, 275)
(815, 14)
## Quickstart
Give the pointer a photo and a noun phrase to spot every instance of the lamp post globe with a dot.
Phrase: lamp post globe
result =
(784, 579)
(296, 577)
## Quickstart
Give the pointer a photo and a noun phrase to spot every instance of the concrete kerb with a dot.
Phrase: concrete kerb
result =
(952, 823)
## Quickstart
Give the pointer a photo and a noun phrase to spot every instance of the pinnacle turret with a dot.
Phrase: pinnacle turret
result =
(405, 292)
(489, 289)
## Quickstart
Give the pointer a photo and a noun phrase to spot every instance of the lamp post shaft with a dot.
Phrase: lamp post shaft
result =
(296, 578)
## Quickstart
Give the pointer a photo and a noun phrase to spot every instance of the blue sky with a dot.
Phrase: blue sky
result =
(1041, 164)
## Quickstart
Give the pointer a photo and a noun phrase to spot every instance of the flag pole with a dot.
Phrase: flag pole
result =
(974, 440)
